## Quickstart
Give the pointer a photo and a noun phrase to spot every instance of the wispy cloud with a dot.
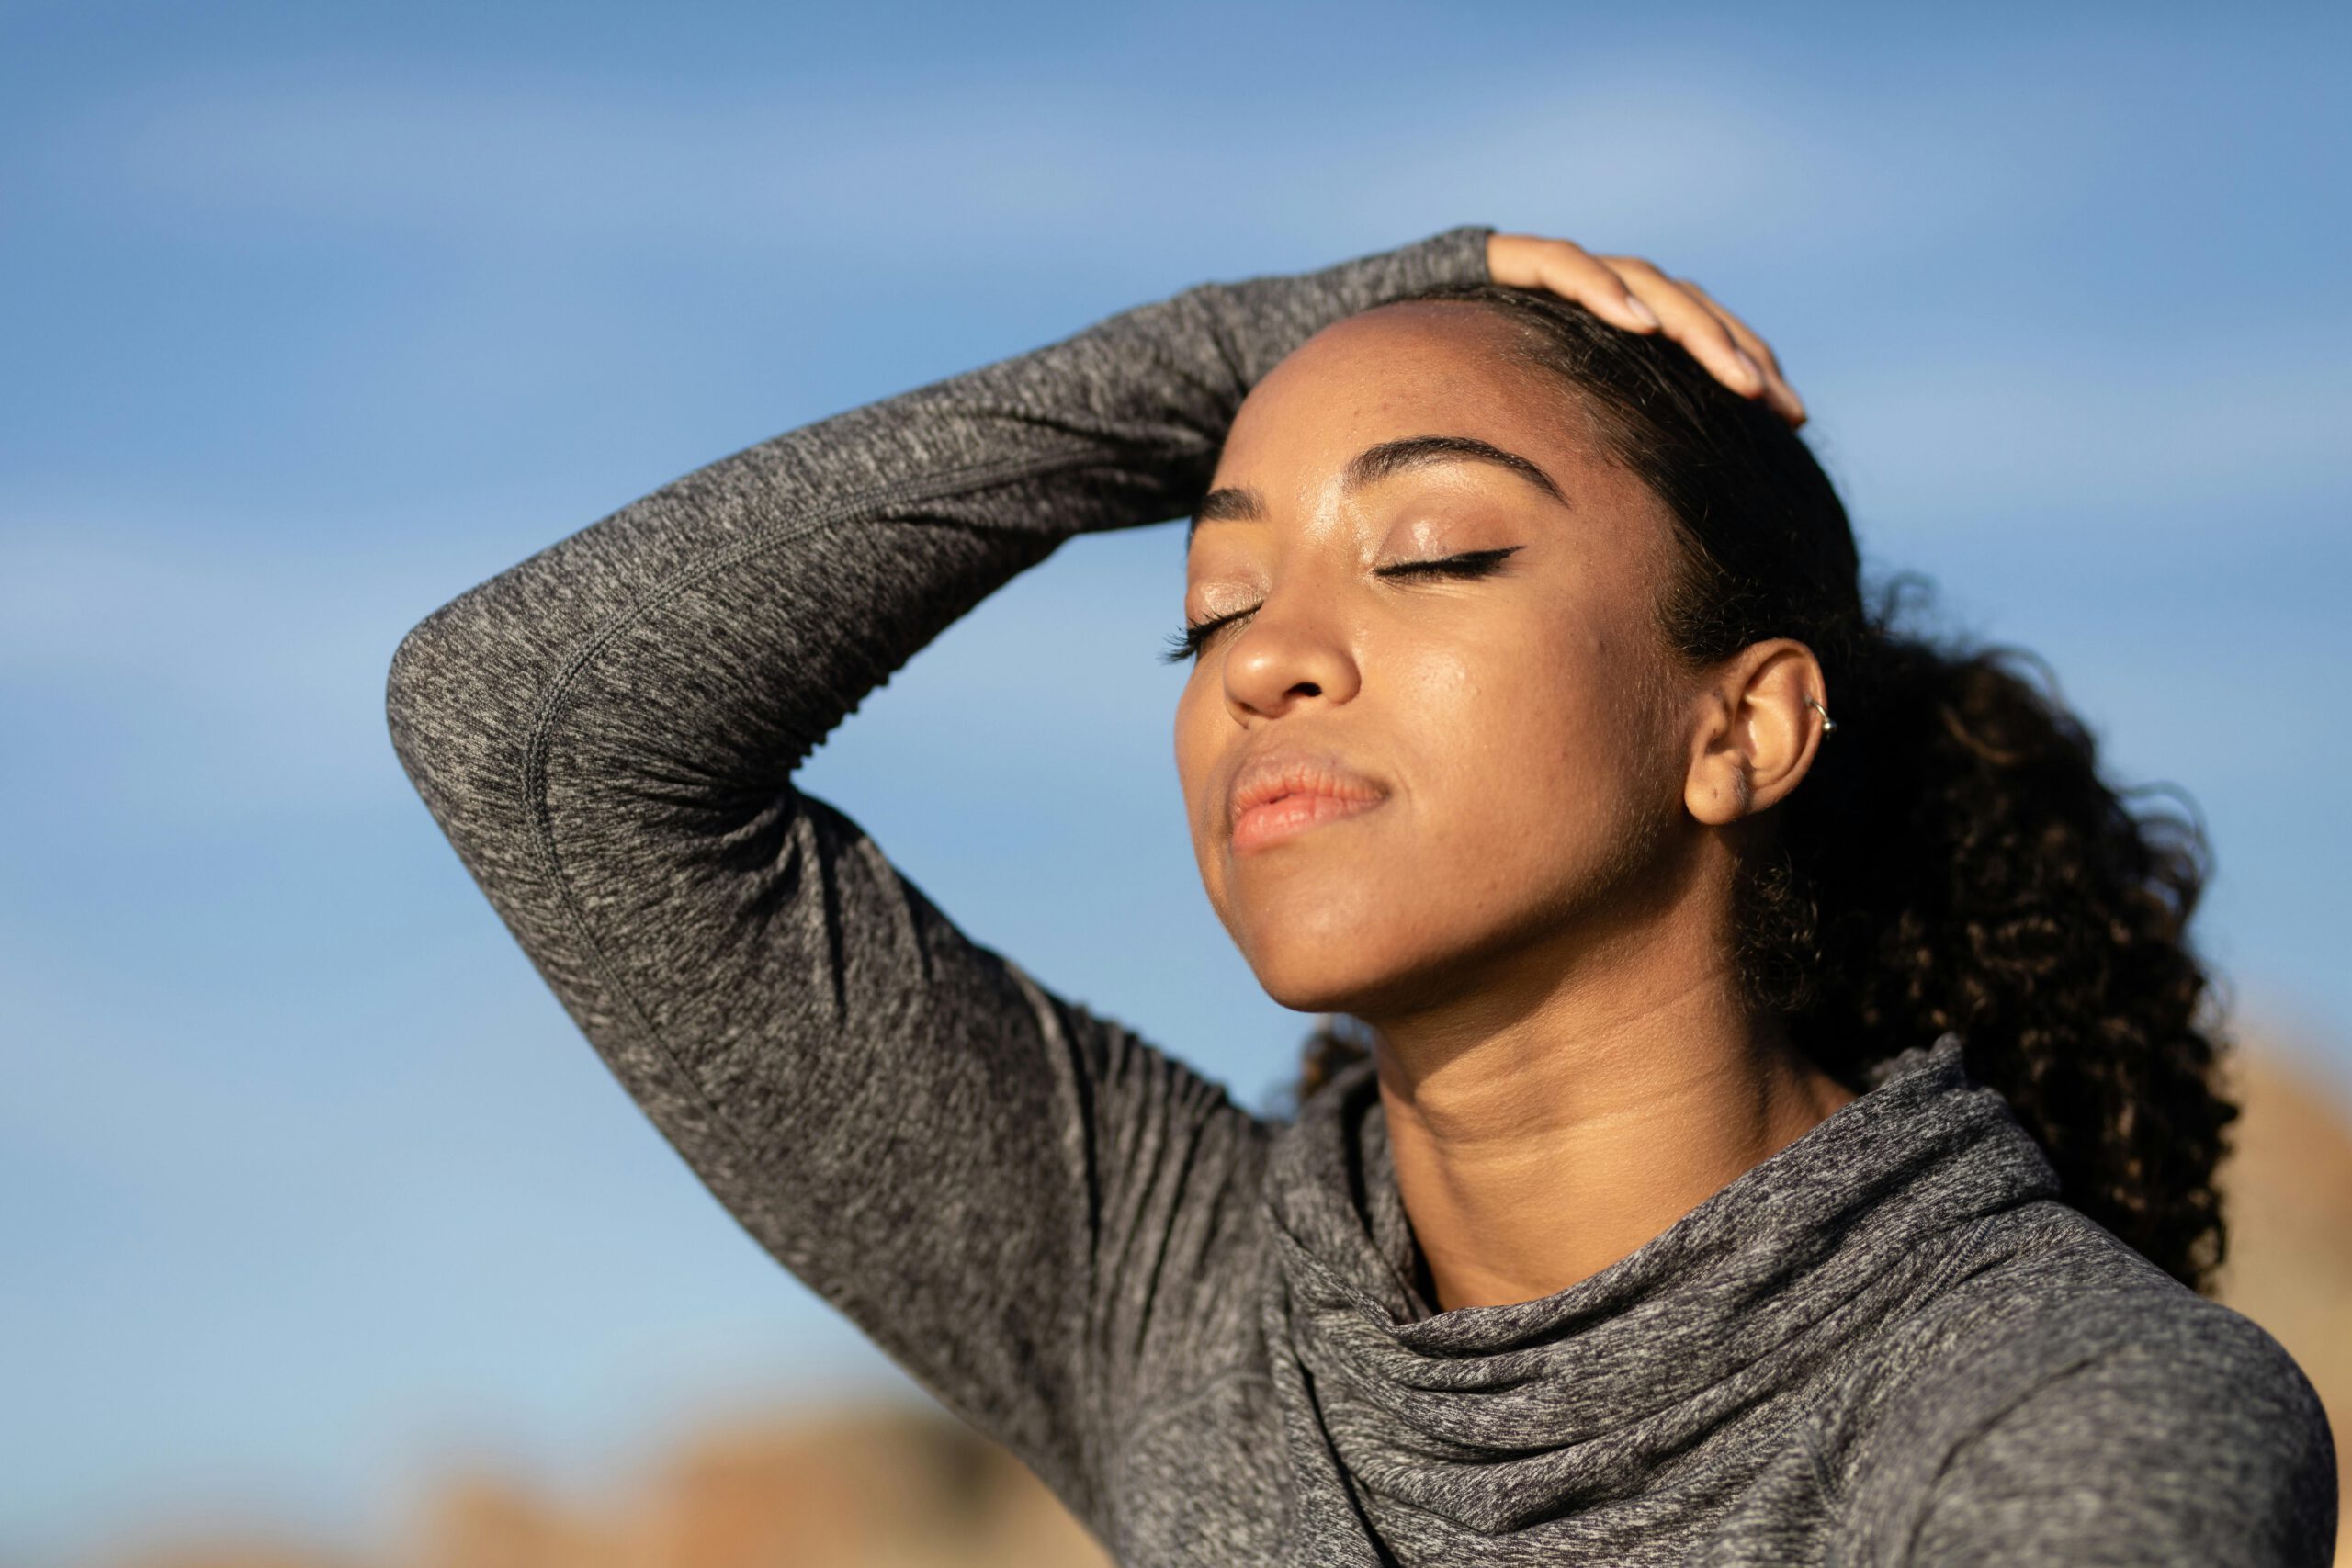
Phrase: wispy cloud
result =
(186, 671)
(2208, 426)
(1691, 149)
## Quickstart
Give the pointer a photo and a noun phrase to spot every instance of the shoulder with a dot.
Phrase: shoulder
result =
(2080, 1404)
(2194, 1439)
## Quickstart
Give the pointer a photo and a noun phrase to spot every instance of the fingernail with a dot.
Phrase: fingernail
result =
(1755, 372)
(1640, 312)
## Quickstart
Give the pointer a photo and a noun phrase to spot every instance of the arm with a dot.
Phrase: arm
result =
(1006, 1193)
(2207, 1447)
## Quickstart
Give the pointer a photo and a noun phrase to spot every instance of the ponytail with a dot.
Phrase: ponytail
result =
(1967, 868)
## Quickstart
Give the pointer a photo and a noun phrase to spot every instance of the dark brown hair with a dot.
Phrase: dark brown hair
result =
(1953, 859)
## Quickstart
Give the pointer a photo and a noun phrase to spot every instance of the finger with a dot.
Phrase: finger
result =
(1784, 396)
(1755, 345)
(1568, 269)
(1694, 326)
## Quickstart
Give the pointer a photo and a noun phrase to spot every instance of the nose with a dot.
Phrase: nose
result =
(1290, 651)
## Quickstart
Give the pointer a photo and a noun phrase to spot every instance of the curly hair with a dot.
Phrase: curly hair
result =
(1954, 860)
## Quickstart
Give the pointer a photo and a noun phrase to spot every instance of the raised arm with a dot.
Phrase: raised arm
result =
(1017, 1200)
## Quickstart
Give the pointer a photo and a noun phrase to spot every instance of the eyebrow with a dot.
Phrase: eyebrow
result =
(1233, 504)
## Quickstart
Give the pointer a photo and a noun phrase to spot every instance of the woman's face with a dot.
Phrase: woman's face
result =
(1491, 761)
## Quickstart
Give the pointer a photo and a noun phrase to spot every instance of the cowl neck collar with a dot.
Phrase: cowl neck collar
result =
(1459, 1428)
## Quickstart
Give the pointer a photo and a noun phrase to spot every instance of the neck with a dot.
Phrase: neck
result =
(1542, 1131)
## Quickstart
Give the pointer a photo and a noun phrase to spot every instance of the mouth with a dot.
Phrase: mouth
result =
(1279, 796)
(1292, 814)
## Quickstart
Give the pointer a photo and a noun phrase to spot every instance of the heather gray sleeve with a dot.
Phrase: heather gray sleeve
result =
(997, 1187)
(2197, 1443)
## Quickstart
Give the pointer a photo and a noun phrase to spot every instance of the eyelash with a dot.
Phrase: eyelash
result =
(1189, 642)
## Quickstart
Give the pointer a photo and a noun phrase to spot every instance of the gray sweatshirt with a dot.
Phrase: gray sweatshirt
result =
(1888, 1343)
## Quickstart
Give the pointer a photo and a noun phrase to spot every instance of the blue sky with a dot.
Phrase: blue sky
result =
(318, 315)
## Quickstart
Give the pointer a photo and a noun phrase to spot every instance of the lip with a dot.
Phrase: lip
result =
(1283, 791)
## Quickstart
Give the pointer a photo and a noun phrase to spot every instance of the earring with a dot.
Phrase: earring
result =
(1828, 725)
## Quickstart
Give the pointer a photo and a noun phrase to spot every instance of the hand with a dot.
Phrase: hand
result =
(1629, 292)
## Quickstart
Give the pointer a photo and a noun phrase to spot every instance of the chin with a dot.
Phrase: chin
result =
(1305, 990)
(1328, 964)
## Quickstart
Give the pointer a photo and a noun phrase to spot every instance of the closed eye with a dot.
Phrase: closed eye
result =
(1474, 563)
(1189, 642)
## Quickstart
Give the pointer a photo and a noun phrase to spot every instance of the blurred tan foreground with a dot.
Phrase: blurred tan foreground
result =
(890, 1486)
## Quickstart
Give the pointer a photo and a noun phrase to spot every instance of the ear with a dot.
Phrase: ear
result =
(1757, 734)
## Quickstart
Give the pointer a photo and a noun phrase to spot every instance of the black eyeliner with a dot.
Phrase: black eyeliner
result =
(1188, 642)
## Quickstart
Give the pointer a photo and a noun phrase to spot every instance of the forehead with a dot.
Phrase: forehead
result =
(1410, 368)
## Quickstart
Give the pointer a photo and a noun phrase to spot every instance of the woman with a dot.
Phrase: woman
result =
(1755, 1105)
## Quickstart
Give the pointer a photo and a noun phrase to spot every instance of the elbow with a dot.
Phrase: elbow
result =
(417, 696)
(461, 697)
(435, 703)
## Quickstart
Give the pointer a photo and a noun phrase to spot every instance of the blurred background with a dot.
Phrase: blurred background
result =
(328, 1238)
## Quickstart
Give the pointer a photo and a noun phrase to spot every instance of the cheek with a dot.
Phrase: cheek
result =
(1199, 718)
(1192, 751)
(1531, 748)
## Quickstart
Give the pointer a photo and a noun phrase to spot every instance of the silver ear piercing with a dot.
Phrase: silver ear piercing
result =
(1828, 725)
